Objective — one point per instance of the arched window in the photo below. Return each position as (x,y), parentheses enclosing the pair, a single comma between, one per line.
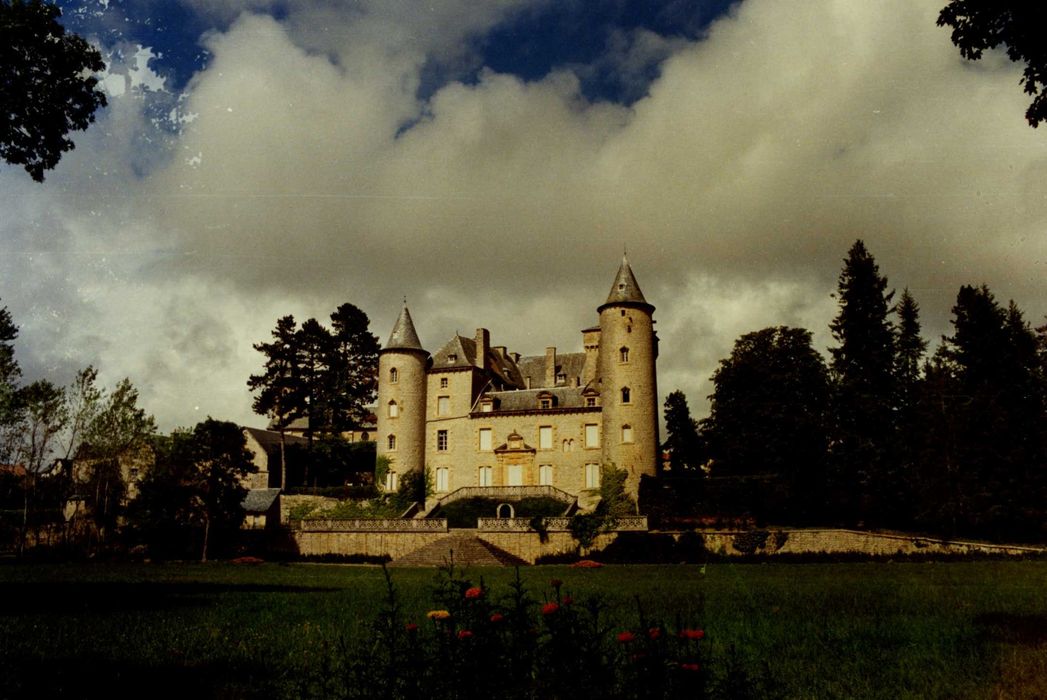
(391,443)
(623,354)
(394,409)
(626,394)
(394,375)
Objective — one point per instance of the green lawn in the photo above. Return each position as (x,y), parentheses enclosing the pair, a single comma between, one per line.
(871,630)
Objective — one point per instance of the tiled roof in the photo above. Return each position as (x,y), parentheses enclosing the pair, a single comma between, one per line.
(527,399)
(571,363)
(271,438)
(259,500)
(462,350)
(404,336)
(625,288)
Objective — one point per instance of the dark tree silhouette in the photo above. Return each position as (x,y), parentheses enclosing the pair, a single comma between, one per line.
(768,412)
(46,89)
(863,371)
(279,389)
(978,25)
(681,440)
(352,368)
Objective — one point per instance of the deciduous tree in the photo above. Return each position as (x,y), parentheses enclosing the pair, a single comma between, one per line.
(46,86)
(978,25)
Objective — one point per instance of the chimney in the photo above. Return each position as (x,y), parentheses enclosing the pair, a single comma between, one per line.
(500,349)
(515,356)
(550,366)
(483,342)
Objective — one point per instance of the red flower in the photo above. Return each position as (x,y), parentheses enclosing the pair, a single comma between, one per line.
(626,637)
(411,627)
(654,632)
(692,634)
(691,667)
(464,634)
(567,600)
(474,593)
(550,608)
(497,617)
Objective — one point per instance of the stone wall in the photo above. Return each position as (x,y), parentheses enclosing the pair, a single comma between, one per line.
(392,544)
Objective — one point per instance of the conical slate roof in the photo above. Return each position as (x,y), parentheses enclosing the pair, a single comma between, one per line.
(404,336)
(625,290)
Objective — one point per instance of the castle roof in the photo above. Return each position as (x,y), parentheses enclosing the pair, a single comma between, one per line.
(404,336)
(527,399)
(459,352)
(625,289)
(533,367)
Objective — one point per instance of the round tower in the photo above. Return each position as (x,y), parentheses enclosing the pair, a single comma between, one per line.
(402,365)
(628,384)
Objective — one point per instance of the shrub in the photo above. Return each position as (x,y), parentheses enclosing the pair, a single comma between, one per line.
(749,542)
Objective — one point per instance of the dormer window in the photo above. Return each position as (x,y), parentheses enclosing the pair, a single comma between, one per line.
(561,378)
(451,359)
(545,403)
(590,401)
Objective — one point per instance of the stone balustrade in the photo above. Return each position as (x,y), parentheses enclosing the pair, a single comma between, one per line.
(369,525)
(628,523)
(507,493)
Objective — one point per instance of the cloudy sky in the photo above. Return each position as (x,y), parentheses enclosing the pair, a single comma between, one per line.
(490,161)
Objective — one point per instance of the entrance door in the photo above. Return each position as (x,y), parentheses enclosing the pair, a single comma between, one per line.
(515,475)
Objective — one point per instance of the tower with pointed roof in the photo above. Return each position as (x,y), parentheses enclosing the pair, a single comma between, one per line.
(627,380)
(479,416)
(402,366)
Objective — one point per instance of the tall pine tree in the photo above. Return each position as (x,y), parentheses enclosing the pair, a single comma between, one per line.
(279,390)
(681,437)
(863,372)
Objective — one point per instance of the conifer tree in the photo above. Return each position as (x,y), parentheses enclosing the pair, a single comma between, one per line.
(352,368)
(899,505)
(682,441)
(863,372)
(279,391)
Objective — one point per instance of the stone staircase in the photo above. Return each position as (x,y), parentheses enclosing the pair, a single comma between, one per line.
(465,547)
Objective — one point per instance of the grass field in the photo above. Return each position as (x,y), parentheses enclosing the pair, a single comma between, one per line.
(866,630)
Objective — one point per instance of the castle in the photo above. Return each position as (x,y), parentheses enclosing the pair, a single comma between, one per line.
(476,414)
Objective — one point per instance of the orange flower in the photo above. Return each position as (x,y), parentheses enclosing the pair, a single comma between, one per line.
(438,615)
(692,634)
(474,593)
(550,608)
(626,637)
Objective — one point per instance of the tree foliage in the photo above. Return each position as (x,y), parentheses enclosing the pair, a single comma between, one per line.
(195,492)
(980,25)
(682,440)
(46,86)
(863,370)
(768,412)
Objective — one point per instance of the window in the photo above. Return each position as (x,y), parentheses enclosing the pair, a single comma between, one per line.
(590,401)
(568,445)
(486,406)
(394,409)
(545,437)
(451,359)
(442,479)
(484,477)
(485,439)
(627,433)
(545,402)
(394,375)
(443,405)
(592,476)
(443,382)
(515,475)
(592,435)
(626,394)
(441,441)
(392,481)
(545,475)
(623,355)
(391,443)
(561,378)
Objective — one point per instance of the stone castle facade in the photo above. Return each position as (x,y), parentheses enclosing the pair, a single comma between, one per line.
(476,414)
